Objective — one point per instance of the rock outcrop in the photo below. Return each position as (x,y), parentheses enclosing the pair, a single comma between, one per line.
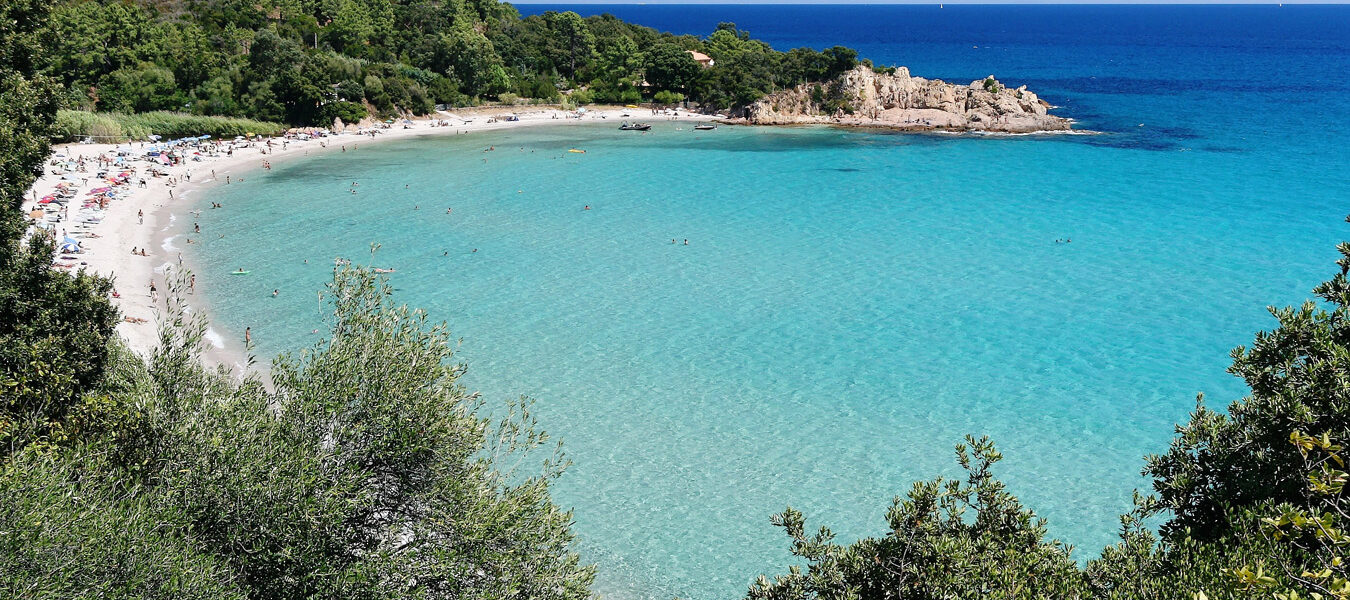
(863,97)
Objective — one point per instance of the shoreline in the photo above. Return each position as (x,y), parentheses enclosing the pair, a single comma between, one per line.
(106,250)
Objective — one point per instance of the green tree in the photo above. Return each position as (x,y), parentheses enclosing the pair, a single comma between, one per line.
(1296,373)
(573,35)
(1315,530)
(669,67)
(947,539)
(54,327)
(475,63)
(144,88)
(75,533)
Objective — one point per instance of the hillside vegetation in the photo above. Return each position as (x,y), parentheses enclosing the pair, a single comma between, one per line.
(74,125)
(310,61)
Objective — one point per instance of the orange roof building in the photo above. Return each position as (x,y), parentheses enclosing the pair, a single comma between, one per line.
(702,59)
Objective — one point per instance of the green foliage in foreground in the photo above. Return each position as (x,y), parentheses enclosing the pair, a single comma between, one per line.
(1315,528)
(368,473)
(1298,379)
(72,125)
(1246,513)
(55,328)
(947,539)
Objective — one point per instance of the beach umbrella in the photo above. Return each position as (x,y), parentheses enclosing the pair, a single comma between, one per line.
(70,245)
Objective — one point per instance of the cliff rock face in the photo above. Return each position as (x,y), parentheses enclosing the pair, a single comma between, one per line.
(900,101)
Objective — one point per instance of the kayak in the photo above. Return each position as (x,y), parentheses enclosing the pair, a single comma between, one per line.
(577,151)
(239,272)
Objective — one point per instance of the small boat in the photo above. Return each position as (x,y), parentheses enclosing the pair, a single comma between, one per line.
(626,126)
(705,127)
(577,151)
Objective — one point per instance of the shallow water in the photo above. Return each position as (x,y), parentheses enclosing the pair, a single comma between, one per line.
(849,305)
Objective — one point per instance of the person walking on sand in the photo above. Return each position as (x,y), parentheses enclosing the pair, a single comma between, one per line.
(192,284)
(248,335)
(140,216)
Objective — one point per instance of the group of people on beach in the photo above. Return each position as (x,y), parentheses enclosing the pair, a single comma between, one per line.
(166,164)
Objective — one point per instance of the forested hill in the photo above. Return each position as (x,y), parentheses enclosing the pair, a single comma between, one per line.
(308,61)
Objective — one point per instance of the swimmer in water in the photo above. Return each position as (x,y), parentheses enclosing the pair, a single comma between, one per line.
(275,292)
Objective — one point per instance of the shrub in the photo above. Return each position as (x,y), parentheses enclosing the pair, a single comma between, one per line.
(349,112)
(668,97)
(580,97)
(74,125)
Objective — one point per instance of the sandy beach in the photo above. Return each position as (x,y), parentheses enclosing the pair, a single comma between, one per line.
(141,218)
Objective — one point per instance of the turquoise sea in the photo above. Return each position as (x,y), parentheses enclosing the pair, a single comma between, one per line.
(850,304)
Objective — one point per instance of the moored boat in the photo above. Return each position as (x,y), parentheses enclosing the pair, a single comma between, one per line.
(626,126)
(705,126)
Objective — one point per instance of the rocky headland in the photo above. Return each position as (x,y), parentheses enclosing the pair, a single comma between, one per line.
(863,97)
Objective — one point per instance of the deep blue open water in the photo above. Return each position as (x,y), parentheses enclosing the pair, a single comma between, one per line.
(850,304)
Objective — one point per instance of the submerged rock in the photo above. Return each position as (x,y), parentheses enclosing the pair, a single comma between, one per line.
(864,97)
